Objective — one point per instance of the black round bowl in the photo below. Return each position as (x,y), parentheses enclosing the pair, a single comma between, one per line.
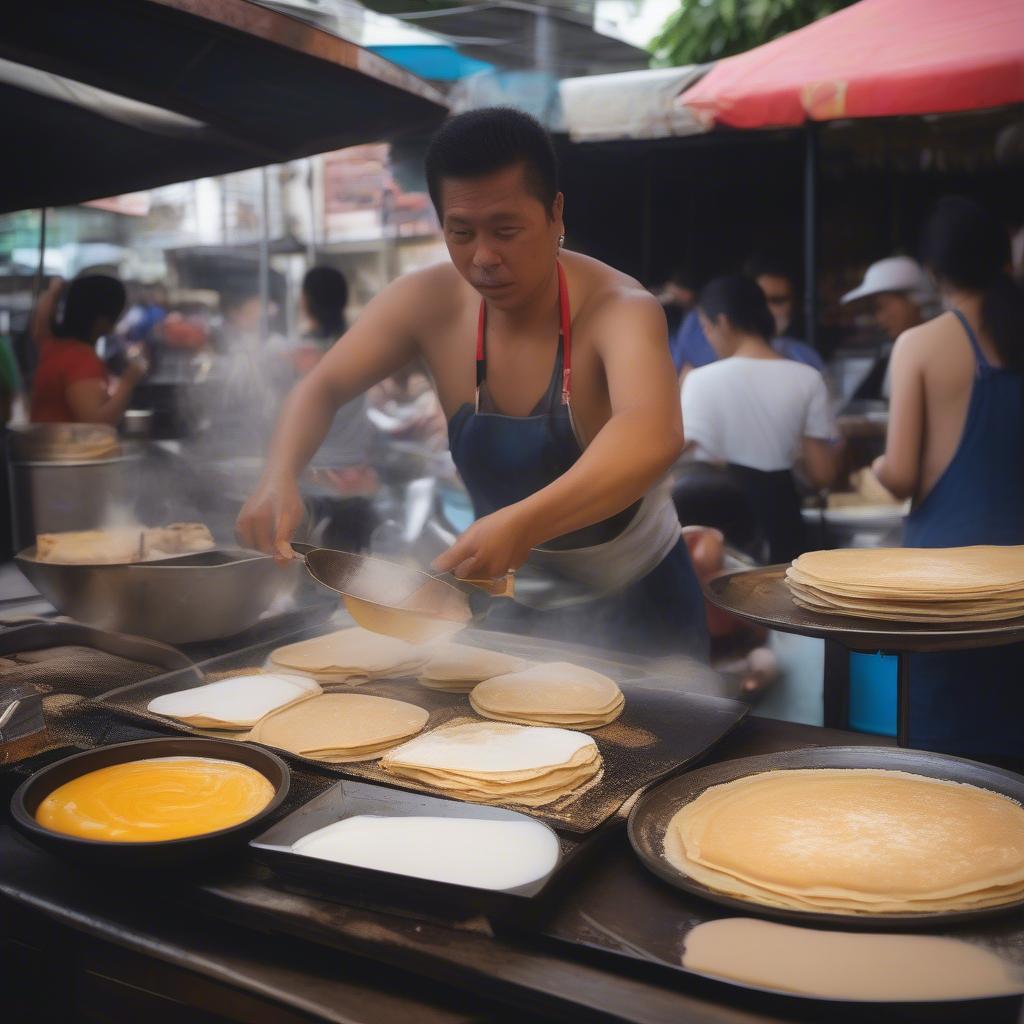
(31,793)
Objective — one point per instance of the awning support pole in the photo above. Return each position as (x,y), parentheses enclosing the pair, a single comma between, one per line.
(811,233)
(264,265)
(37,285)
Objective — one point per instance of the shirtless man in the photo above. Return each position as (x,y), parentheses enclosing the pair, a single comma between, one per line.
(553,371)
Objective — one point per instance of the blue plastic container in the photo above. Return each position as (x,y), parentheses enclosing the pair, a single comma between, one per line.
(873,685)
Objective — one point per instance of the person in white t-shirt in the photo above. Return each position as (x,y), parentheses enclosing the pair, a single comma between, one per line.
(758,413)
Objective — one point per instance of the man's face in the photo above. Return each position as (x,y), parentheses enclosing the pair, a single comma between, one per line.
(895,313)
(499,236)
(778,293)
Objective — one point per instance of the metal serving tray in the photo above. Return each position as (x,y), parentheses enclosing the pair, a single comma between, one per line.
(649,820)
(348,884)
(762,597)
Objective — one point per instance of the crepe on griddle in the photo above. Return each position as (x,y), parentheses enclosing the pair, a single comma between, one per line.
(496,762)
(341,727)
(349,657)
(926,585)
(237,702)
(852,841)
(457,668)
(551,693)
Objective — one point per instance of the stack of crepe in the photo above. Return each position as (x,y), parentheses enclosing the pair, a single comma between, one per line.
(457,668)
(552,693)
(349,657)
(936,585)
(341,727)
(238,702)
(492,762)
(853,841)
(122,544)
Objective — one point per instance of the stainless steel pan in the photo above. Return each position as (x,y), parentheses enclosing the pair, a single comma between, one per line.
(184,599)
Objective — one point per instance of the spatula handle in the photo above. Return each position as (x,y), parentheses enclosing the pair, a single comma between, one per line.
(503,586)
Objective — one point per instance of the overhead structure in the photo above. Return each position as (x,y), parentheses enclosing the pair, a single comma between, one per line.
(630,105)
(100,97)
(878,58)
(517,34)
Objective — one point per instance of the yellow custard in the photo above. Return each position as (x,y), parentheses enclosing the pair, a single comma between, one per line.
(156,799)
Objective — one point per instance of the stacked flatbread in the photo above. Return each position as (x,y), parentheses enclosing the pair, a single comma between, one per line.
(341,727)
(349,657)
(552,693)
(123,544)
(938,585)
(92,547)
(852,841)
(498,763)
(238,702)
(177,539)
(457,668)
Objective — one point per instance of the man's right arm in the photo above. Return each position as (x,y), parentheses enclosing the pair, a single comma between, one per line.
(379,344)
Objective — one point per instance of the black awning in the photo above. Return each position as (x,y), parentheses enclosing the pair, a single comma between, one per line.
(100,97)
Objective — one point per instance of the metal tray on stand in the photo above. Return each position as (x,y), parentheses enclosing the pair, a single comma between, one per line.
(652,813)
(761,596)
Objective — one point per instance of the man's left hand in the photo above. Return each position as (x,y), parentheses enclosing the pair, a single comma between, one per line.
(490,547)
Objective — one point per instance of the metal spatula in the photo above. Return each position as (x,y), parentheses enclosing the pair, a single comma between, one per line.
(394,599)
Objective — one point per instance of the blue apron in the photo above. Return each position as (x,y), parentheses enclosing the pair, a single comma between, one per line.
(971,703)
(504,459)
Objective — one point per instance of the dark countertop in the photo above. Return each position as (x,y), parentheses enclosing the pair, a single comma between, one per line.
(225,945)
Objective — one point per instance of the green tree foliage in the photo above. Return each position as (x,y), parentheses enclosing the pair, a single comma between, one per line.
(705,30)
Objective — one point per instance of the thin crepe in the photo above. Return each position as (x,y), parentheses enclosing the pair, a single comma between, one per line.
(341,726)
(556,693)
(860,840)
(237,702)
(351,656)
(499,762)
(458,667)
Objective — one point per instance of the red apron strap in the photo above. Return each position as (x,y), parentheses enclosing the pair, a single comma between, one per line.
(481,352)
(566,315)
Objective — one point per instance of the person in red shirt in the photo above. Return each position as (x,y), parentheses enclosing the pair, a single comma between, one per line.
(70,383)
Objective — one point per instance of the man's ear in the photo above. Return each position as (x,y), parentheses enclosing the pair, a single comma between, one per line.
(558,207)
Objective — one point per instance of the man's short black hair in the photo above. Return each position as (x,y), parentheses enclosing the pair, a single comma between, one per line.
(484,141)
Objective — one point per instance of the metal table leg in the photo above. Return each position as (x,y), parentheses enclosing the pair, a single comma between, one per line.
(902,699)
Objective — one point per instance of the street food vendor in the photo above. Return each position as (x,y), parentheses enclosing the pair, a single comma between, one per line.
(956,447)
(71,383)
(563,415)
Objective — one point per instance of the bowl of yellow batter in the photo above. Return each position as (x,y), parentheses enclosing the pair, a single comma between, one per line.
(151,803)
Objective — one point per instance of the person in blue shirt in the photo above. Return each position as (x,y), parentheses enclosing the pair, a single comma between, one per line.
(690,348)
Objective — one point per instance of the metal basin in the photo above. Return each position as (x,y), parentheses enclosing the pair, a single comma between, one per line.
(186,599)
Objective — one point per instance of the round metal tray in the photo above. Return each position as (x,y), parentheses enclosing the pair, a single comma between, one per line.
(762,597)
(147,855)
(649,821)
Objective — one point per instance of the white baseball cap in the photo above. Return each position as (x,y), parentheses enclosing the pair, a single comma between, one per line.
(895,274)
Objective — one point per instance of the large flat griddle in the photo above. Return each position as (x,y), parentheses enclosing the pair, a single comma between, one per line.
(617,908)
(661,730)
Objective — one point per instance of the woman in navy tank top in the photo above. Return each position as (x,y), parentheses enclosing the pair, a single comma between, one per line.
(956,446)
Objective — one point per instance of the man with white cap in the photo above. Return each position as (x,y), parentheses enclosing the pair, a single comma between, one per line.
(898,289)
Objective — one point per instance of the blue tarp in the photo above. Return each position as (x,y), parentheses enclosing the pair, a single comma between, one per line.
(437,63)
